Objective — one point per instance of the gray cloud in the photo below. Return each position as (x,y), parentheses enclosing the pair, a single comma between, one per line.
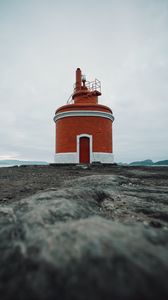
(123,43)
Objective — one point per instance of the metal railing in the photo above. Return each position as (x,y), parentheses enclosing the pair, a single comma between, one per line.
(70,100)
(92,86)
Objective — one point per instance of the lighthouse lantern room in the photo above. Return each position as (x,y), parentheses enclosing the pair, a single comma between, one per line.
(83,126)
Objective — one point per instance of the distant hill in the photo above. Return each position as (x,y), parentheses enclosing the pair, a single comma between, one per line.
(161,163)
(21,162)
(147,162)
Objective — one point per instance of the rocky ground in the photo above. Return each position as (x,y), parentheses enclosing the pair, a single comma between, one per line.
(79,233)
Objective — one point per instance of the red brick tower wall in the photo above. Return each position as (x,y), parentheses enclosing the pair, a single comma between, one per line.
(68,128)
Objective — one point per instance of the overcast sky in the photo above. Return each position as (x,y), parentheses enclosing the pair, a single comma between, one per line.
(123,43)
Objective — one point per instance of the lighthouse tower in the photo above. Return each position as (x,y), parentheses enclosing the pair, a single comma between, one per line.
(83,126)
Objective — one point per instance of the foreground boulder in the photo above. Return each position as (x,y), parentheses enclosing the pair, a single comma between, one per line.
(71,243)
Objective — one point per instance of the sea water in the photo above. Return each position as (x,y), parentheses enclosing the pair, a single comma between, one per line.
(6,166)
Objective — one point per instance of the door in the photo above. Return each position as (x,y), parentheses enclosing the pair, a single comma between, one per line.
(84,150)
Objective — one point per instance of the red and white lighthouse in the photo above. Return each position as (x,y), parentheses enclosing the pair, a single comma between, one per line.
(83,126)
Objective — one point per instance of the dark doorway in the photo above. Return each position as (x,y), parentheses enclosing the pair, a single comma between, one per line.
(84,150)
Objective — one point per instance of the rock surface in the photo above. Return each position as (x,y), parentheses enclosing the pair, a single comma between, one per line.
(93,233)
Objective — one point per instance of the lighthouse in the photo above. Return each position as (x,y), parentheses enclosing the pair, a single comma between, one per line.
(83,126)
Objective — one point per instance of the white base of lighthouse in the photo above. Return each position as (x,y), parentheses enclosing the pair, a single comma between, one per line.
(73,158)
